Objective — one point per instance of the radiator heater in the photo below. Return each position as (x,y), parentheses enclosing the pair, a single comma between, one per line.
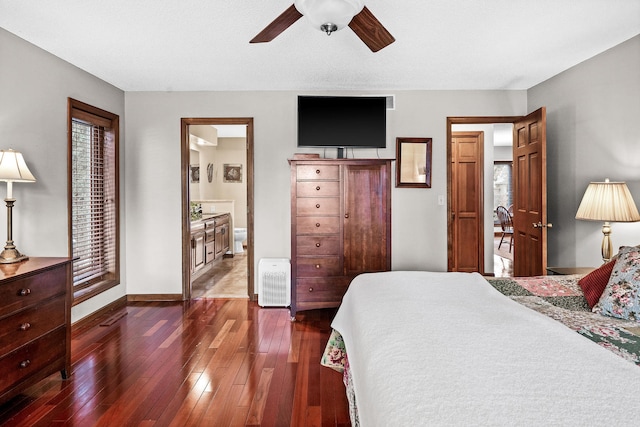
(274,282)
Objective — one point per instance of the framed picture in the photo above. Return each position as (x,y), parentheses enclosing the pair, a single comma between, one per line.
(232,173)
(194,173)
(413,162)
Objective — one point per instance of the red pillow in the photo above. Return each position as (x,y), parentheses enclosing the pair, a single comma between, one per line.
(593,284)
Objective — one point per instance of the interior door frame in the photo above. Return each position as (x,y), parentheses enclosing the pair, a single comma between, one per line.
(186,220)
(465,121)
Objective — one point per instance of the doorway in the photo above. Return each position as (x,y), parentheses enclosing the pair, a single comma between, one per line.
(233,176)
(529,187)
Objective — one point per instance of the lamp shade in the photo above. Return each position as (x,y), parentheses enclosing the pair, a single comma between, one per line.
(608,201)
(13,168)
(337,12)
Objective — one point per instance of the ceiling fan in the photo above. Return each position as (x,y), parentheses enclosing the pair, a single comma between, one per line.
(330,16)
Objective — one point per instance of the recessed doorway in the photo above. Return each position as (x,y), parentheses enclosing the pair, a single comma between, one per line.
(217,178)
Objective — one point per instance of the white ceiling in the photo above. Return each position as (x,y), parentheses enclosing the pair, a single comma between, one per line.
(187,45)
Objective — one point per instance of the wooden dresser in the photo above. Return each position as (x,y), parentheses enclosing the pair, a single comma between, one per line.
(35,322)
(340,226)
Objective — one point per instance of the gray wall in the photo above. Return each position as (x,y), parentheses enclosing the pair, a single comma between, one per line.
(592,114)
(593,133)
(34,87)
(419,229)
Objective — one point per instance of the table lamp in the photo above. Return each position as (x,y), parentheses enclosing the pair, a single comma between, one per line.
(609,202)
(12,169)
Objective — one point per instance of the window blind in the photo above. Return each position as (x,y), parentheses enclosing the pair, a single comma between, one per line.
(93,200)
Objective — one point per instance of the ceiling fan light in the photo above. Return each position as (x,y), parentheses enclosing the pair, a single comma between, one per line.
(332,14)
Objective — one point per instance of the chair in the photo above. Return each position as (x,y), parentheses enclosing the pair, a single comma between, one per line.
(506,223)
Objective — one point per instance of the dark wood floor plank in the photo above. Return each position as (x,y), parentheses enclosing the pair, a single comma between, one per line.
(218,362)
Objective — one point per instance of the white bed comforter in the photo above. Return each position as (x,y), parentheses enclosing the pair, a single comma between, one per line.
(429,349)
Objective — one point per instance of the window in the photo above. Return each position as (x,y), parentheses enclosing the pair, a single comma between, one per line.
(93,200)
(502,191)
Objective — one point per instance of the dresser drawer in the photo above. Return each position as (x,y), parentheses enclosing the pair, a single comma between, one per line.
(31,323)
(318,225)
(21,293)
(321,290)
(318,206)
(318,266)
(31,358)
(318,172)
(318,245)
(318,189)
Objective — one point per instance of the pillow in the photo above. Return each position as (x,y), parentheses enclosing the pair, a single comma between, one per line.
(593,284)
(621,296)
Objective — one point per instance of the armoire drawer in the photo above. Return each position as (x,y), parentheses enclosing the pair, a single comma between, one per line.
(28,291)
(31,358)
(318,189)
(318,245)
(318,206)
(318,172)
(317,225)
(26,325)
(319,266)
(320,290)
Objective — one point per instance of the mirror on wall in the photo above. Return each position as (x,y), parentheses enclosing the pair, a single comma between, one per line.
(413,162)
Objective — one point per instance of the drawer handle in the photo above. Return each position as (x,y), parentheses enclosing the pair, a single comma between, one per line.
(318,245)
(318,188)
(310,289)
(346,216)
(25,363)
(317,224)
(317,205)
(24,292)
(25,326)
(318,171)
(317,266)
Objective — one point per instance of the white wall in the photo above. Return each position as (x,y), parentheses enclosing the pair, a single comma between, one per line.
(593,128)
(34,87)
(419,230)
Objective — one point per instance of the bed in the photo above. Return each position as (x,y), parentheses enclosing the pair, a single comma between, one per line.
(424,348)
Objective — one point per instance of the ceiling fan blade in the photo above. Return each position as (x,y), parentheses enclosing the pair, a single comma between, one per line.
(281,23)
(370,30)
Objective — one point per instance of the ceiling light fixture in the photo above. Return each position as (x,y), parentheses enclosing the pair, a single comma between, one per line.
(329,15)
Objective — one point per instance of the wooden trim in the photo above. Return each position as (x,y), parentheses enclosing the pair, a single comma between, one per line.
(93,317)
(457,121)
(153,297)
(74,106)
(186,232)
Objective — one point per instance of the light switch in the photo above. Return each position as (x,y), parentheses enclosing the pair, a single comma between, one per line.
(441,200)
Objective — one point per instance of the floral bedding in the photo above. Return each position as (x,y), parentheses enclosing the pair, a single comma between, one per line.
(562,299)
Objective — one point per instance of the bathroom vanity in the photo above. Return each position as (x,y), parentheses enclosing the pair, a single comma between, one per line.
(210,241)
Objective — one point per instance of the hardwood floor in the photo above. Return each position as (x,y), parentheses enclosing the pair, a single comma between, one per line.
(206,362)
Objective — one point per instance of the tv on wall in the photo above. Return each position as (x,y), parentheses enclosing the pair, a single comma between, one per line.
(342,121)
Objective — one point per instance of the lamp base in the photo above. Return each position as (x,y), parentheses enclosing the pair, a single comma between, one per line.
(11,255)
(606,242)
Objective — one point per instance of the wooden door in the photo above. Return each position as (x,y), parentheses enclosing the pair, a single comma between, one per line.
(466,226)
(367,218)
(530,194)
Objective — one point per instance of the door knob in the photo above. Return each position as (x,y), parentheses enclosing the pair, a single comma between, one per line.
(541,225)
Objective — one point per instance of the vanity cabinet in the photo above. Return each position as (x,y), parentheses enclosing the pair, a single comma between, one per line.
(209,242)
(198,247)
(340,226)
(222,236)
(35,322)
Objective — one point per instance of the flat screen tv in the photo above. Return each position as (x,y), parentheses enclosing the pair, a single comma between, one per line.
(342,121)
